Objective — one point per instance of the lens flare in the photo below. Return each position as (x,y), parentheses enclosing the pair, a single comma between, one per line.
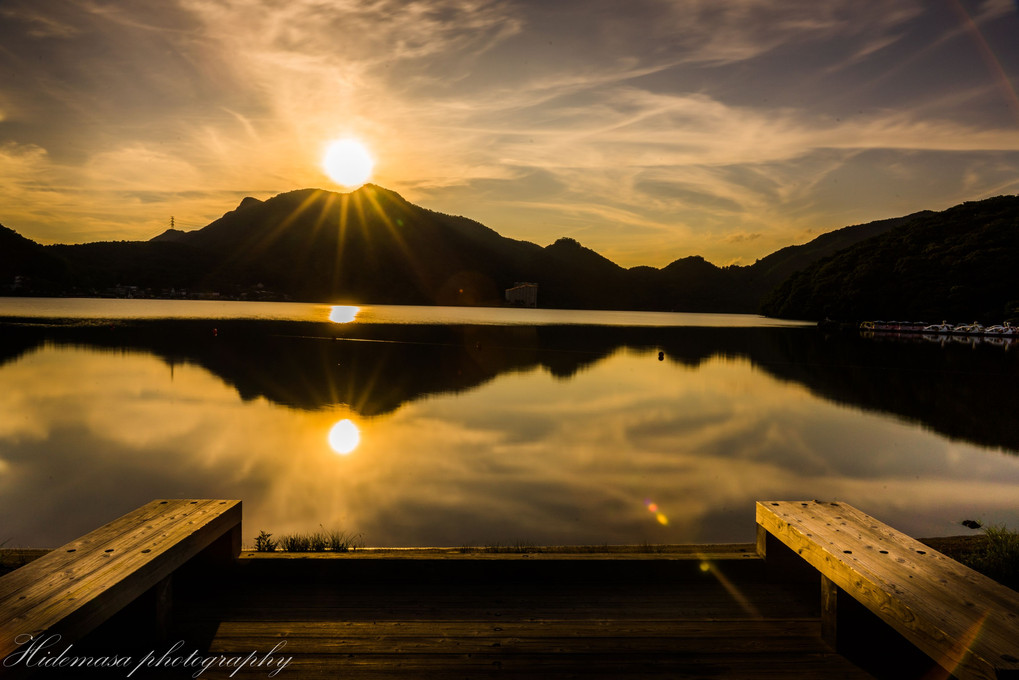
(994,65)
(660,517)
(735,593)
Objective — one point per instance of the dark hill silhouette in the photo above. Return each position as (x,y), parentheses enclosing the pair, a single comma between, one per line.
(957,264)
(147,264)
(24,258)
(770,271)
(370,245)
(577,276)
(373,246)
(171,236)
(696,285)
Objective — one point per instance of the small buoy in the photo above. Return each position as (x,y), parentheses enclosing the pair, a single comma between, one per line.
(215,332)
(661,356)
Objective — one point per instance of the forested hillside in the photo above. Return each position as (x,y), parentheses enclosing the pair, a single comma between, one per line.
(958,264)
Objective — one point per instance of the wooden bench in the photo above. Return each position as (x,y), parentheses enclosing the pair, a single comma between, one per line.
(964,621)
(73,589)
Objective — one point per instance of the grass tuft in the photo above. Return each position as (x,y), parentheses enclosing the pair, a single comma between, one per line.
(265,543)
(317,542)
(320,541)
(1000,557)
(339,541)
(295,543)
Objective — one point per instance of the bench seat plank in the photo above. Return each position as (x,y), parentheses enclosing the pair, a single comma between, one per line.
(144,520)
(910,555)
(76,587)
(965,621)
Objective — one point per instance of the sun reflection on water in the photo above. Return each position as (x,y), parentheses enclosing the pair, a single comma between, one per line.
(662,452)
(343,313)
(344,437)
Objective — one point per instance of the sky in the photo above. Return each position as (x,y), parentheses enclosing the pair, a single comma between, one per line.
(648,130)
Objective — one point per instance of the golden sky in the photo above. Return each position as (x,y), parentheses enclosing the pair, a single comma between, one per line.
(648,130)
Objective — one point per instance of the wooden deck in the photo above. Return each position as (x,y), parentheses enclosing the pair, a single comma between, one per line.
(675,612)
(442,614)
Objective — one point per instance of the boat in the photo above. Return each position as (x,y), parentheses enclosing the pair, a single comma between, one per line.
(1004,330)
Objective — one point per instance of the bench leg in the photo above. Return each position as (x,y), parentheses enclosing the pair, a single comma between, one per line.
(224,550)
(855,632)
(781,563)
(146,620)
(845,622)
(830,612)
(162,595)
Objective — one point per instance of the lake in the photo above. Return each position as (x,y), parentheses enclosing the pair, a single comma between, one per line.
(419,426)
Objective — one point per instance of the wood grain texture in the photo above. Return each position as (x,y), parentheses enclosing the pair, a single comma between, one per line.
(76,587)
(963,620)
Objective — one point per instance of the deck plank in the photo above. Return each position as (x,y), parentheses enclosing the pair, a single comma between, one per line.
(692,626)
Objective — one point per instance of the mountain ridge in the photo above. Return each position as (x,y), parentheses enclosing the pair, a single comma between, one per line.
(373,246)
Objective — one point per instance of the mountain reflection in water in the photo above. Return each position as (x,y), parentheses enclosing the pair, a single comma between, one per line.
(453,435)
(954,390)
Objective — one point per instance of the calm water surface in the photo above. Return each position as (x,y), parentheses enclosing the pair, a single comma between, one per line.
(88,308)
(453,426)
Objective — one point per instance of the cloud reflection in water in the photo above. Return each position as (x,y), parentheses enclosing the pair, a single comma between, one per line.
(529,457)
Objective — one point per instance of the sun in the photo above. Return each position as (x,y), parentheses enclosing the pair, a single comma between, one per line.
(348,162)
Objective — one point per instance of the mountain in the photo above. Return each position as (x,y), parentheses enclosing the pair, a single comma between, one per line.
(768,272)
(694,284)
(957,264)
(370,245)
(373,246)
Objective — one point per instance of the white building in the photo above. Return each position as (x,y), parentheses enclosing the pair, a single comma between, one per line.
(523,294)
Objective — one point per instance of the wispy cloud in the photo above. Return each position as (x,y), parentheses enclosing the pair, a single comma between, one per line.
(680,123)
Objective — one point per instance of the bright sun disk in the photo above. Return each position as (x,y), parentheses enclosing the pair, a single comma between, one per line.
(348,162)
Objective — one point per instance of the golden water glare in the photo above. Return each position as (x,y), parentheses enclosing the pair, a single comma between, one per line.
(344,437)
(343,313)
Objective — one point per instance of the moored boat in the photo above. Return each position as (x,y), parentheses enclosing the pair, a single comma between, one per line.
(943,328)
